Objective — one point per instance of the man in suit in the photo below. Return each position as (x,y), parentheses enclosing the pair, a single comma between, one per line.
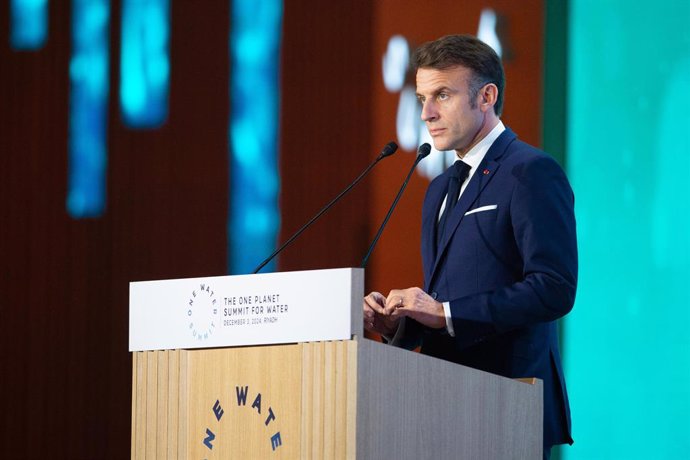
(499,248)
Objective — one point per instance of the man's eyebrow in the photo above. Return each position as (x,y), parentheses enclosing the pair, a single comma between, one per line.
(442,89)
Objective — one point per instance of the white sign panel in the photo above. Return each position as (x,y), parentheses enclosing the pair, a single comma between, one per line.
(221,311)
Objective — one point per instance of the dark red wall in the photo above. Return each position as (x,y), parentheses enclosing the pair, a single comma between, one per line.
(325,130)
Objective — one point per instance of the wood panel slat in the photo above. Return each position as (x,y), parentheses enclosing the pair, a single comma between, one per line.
(162,418)
(151,404)
(141,405)
(173,403)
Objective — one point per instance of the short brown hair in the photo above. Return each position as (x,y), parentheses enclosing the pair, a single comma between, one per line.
(467,51)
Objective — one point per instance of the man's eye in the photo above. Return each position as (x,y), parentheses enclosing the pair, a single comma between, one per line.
(442,96)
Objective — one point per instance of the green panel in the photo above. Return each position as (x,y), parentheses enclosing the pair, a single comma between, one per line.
(555,78)
(627,347)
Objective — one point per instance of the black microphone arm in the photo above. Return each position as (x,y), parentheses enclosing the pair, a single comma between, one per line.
(387,151)
(423,151)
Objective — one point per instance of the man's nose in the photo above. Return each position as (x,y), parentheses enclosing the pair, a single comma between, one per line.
(429,112)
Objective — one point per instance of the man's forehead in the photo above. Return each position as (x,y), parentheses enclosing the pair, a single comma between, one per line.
(428,78)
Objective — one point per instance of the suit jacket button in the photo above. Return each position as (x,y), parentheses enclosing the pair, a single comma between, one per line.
(434,295)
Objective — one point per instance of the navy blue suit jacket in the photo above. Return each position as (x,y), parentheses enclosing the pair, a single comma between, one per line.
(509,270)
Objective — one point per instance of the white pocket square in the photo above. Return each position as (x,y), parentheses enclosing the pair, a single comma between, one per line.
(482,209)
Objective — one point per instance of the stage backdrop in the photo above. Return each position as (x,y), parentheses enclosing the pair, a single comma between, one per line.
(65,383)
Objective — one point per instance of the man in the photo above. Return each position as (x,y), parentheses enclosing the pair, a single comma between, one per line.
(500,261)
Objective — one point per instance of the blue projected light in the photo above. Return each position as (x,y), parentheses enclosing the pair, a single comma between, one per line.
(89,85)
(145,62)
(254,56)
(28,24)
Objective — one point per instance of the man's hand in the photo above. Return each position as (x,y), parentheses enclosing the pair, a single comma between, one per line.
(416,304)
(375,320)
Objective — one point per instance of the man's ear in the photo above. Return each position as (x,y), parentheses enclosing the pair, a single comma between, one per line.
(488,96)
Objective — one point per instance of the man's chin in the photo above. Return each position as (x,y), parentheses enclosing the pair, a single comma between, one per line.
(441,145)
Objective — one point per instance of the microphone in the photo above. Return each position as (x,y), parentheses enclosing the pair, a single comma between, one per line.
(423,151)
(388,150)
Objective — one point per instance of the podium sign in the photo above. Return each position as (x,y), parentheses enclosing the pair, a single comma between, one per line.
(272,308)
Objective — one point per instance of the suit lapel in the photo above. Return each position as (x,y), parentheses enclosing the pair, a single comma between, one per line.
(436,194)
(482,176)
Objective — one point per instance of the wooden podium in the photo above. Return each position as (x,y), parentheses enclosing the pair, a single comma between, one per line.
(334,398)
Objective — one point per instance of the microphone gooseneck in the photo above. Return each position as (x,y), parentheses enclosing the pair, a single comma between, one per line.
(423,151)
(388,150)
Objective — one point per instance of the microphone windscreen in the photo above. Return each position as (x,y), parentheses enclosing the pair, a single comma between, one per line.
(424,150)
(389,149)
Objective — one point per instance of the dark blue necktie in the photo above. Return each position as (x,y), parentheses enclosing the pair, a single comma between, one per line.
(458,174)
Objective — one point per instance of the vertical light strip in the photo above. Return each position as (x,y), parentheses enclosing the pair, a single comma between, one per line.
(253,220)
(28,24)
(89,84)
(144,62)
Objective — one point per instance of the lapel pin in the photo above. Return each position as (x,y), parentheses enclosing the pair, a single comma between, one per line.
(486,172)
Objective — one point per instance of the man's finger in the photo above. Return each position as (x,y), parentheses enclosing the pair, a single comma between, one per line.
(395,300)
(372,302)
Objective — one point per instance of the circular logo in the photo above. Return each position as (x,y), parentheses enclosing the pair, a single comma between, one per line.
(202,312)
